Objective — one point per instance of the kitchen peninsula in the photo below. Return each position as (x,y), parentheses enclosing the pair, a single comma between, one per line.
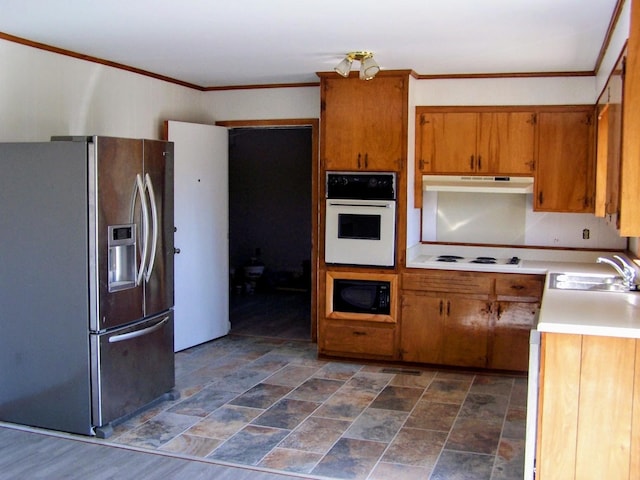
(589,395)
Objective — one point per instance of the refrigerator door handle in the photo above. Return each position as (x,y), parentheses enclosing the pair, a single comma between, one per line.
(145,227)
(154,217)
(138,333)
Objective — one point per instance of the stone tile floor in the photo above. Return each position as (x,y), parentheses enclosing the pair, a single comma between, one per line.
(271,403)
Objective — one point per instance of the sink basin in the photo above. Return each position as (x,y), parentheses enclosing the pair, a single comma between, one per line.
(602,283)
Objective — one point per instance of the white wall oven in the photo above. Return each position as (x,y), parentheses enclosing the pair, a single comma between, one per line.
(360,218)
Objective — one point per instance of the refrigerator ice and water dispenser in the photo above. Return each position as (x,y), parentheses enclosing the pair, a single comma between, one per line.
(122,257)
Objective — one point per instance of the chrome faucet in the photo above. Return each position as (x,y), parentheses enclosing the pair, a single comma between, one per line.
(626,270)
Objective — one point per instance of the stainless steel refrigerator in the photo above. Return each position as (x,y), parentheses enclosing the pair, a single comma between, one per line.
(86,281)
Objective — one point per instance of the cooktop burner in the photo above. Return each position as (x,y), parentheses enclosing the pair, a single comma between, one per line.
(449,258)
(513,261)
(489,260)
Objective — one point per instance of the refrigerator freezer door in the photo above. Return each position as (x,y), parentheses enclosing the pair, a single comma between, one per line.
(131,367)
(114,164)
(158,180)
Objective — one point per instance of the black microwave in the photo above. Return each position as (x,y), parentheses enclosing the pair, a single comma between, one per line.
(362,296)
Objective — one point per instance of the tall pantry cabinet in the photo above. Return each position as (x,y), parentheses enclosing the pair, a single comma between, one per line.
(363,128)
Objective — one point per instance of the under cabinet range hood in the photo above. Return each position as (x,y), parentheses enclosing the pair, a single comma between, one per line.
(477,184)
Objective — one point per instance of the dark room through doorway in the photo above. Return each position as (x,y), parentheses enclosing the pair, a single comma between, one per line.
(270,231)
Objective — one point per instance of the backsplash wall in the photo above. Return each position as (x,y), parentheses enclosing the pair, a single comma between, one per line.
(509,219)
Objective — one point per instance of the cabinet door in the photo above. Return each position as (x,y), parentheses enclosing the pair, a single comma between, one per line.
(422,328)
(607,161)
(564,171)
(447,142)
(629,186)
(466,328)
(506,143)
(586,402)
(341,136)
(510,347)
(363,123)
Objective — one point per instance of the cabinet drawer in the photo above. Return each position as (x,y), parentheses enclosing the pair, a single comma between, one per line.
(358,339)
(448,281)
(520,288)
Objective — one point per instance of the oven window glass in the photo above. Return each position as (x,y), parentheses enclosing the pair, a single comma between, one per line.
(360,227)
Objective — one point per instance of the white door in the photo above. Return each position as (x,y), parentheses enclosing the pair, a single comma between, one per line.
(202,236)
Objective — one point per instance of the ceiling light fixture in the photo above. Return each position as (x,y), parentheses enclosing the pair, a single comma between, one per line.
(368,66)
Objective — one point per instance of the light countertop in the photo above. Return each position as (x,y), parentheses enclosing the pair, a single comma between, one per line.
(562,311)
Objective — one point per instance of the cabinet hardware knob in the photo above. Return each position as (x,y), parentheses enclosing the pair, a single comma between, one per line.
(176,251)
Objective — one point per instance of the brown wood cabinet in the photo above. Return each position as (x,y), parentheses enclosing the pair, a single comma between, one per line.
(364,123)
(446,330)
(472,319)
(565,169)
(609,143)
(456,141)
(555,144)
(516,312)
(629,179)
(588,414)
(357,338)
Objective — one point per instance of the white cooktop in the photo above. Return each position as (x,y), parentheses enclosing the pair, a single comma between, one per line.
(452,259)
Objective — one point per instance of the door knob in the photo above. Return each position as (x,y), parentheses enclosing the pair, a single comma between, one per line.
(176,251)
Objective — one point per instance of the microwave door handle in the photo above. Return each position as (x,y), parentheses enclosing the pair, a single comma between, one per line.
(145,227)
(154,217)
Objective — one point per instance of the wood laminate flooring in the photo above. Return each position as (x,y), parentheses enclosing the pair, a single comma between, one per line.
(30,454)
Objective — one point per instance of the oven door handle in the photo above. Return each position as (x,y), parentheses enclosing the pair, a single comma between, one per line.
(369,205)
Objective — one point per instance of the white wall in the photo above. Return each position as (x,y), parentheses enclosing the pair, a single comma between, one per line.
(506,91)
(264,104)
(44,94)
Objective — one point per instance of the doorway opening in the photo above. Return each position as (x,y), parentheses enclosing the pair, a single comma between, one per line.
(271,231)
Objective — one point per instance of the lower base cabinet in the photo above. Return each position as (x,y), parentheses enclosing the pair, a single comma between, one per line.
(469,319)
(444,330)
(588,408)
(511,330)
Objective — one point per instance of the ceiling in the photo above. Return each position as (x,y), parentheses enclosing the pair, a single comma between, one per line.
(215,43)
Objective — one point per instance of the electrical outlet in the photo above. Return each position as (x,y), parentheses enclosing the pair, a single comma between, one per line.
(585,234)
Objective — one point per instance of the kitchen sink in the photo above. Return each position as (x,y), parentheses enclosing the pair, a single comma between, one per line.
(602,283)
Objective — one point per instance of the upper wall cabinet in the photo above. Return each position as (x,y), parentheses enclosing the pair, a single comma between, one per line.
(364,123)
(473,141)
(564,179)
(630,177)
(609,143)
